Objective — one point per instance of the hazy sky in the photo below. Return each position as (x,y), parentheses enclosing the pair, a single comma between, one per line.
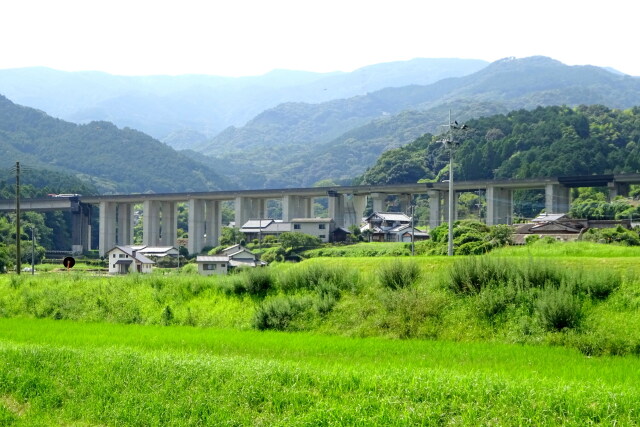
(251,37)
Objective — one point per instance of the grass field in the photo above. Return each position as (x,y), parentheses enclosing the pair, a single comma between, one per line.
(177,349)
(61,373)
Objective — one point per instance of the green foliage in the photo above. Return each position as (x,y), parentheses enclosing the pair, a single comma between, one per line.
(277,313)
(316,277)
(398,274)
(94,152)
(618,235)
(559,308)
(295,241)
(546,141)
(230,236)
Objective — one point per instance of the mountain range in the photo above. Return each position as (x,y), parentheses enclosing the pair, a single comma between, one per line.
(347,120)
(188,109)
(339,139)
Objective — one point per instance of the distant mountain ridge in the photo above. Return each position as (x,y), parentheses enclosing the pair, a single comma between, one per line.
(301,137)
(181,110)
(110,159)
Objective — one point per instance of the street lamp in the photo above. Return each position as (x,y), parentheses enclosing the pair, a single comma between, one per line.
(450,144)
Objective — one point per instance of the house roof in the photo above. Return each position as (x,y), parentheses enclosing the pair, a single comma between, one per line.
(158,250)
(212,258)
(256,224)
(390,216)
(279,227)
(133,254)
(313,220)
(547,217)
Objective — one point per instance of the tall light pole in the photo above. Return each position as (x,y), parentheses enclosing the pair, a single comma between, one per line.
(450,143)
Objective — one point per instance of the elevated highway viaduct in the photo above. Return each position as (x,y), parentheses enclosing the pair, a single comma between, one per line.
(346,206)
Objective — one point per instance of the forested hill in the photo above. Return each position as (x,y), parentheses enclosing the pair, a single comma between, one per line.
(110,159)
(546,141)
(300,143)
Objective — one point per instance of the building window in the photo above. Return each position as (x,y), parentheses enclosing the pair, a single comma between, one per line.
(114,255)
(222,265)
(121,256)
(296,226)
(322,236)
(209,266)
(321,226)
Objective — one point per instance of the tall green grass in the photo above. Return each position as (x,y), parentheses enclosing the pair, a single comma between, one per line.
(65,373)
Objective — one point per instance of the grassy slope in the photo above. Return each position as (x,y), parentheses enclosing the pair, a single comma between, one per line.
(66,372)
(60,372)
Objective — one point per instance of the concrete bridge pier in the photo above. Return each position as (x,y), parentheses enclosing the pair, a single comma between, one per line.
(124,214)
(81,229)
(107,231)
(556,198)
(618,189)
(499,205)
(296,207)
(354,206)
(213,223)
(336,208)
(151,223)
(435,212)
(196,225)
(378,200)
(247,208)
(169,224)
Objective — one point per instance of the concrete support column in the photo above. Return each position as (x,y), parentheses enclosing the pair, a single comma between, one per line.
(196,225)
(336,208)
(378,202)
(81,229)
(354,206)
(213,222)
(151,223)
(618,189)
(107,230)
(499,205)
(125,224)
(556,198)
(247,208)
(295,207)
(435,211)
(169,236)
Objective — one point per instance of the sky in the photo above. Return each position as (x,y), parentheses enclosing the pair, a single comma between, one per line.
(252,37)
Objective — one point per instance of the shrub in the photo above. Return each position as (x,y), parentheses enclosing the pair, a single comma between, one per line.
(189,269)
(398,274)
(277,313)
(314,276)
(559,308)
(257,280)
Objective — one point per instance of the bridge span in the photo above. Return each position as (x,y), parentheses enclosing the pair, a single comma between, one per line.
(346,206)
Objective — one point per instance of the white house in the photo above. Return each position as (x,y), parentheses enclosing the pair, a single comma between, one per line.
(212,264)
(124,259)
(231,257)
(321,228)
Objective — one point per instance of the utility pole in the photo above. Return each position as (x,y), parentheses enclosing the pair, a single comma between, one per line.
(18,254)
(33,249)
(450,144)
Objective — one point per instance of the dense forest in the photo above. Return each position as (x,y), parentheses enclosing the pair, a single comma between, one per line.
(111,159)
(547,141)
